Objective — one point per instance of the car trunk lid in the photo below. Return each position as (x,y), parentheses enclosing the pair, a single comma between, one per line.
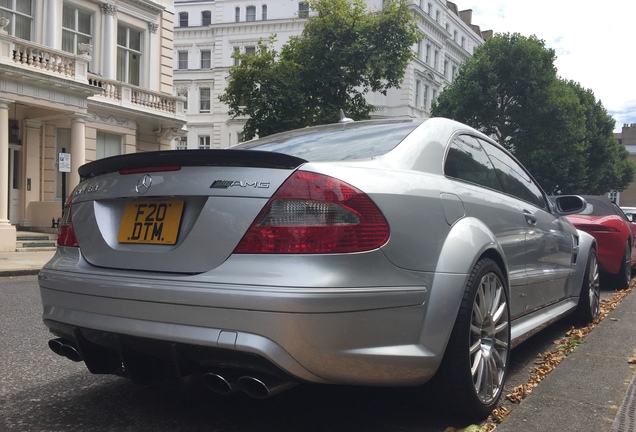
(173,211)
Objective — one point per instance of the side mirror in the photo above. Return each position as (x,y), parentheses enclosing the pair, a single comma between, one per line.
(569,204)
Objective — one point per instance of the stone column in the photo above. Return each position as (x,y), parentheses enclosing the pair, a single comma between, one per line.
(52,36)
(7,231)
(78,150)
(109,41)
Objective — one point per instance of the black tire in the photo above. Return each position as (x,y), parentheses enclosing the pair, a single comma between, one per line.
(621,280)
(589,300)
(475,364)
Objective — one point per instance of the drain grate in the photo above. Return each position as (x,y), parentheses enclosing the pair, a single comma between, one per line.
(625,420)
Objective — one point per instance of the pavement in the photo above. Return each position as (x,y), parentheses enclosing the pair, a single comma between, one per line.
(592,390)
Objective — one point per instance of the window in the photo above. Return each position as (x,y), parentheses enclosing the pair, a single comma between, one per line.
(428,54)
(455,35)
(435,59)
(614,197)
(419,50)
(425,94)
(363,140)
(303,10)
(185,102)
(250,13)
(237,14)
(237,51)
(437,16)
(204,100)
(463,41)
(429,9)
(183,60)
(204,142)
(445,68)
(249,50)
(128,55)
(467,160)
(206,59)
(107,145)
(182,143)
(76,28)
(206,18)
(21,15)
(418,90)
(513,177)
(183,19)
(264,12)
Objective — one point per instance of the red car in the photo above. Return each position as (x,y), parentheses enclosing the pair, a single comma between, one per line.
(615,236)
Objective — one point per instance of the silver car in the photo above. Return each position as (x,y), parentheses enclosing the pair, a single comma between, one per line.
(375,253)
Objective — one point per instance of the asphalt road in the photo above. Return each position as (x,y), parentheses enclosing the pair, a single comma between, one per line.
(40,391)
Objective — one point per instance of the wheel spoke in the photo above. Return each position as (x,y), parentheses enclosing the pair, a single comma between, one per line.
(489,337)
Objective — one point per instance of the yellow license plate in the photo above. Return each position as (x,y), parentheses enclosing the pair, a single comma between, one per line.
(151,222)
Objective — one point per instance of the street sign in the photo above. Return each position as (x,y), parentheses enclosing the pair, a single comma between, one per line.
(64,162)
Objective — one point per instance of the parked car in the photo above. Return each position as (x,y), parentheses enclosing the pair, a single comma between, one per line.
(630,212)
(615,236)
(373,253)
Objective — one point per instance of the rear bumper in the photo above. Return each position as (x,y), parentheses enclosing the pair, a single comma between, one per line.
(387,336)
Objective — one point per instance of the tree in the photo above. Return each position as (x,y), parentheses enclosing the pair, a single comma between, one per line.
(344,52)
(510,90)
(608,164)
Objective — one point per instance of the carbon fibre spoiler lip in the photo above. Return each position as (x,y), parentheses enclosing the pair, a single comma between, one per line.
(212,157)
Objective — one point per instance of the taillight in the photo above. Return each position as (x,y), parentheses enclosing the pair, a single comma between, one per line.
(313,213)
(596,228)
(65,232)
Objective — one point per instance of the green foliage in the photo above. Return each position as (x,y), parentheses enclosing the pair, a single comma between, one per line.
(344,52)
(510,90)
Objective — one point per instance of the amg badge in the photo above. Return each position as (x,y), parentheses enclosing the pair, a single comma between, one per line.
(226,184)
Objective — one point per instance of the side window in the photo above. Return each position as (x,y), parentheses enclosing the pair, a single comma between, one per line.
(513,177)
(466,160)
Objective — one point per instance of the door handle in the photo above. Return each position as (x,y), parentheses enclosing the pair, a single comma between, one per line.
(530,218)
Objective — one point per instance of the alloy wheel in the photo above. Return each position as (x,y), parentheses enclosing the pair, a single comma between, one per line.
(489,338)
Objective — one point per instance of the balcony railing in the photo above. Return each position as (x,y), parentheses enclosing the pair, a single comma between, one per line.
(126,95)
(55,63)
(48,61)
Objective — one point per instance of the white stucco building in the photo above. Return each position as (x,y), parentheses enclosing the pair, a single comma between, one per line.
(207,32)
(88,78)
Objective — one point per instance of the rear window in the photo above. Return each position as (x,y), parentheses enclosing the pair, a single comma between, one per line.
(599,207)
(344,141)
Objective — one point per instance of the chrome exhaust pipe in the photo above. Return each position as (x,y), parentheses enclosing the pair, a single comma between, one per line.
(262,387)
(65,348)
(218,383)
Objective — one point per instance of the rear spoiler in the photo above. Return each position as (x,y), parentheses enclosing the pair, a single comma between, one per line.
(217,157)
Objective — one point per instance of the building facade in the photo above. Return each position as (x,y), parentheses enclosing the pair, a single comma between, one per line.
(79,80)
(627,137)
(207,33)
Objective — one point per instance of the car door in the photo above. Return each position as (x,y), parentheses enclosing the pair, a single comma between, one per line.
(549,245)
(483,198)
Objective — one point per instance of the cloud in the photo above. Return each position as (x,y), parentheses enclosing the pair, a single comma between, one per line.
(592,42)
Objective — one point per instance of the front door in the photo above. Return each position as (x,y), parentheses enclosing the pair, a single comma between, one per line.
(14,184)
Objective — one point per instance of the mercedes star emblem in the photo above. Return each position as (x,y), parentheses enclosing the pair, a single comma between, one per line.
(143,184)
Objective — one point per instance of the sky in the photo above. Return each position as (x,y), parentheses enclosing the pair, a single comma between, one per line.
(594,42)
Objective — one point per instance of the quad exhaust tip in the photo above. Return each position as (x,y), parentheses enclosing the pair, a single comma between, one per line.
(259,387)
(65,348)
